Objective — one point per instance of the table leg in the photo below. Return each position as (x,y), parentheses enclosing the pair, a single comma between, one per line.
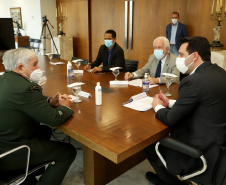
(99,170)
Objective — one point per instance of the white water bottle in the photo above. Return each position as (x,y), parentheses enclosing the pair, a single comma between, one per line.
(145,84)
(70,72)
(98,94)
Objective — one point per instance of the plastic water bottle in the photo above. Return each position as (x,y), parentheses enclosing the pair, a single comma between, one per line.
(98,94)
(70,71)
(145,84)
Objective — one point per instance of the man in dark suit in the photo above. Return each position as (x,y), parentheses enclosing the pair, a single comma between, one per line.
(197,116)
(110,54)
(174,32)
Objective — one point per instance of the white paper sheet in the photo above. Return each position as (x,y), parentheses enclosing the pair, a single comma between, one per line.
(78,71)
(56,63)
(74,84)
(143,104)
(118,82)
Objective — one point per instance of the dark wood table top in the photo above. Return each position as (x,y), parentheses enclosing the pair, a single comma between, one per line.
(112,130)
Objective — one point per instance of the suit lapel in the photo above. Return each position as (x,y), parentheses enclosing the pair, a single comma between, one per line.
(166,66)
(178,29)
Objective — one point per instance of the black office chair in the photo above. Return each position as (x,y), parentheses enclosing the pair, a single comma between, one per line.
(19,177)
(56,56)
(36,45)
(220,175)
(131,65)
(83,61)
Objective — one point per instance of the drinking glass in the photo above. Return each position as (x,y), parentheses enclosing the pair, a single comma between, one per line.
(76,90)
(78,64)
(115,73)
(50,57)
(168,82)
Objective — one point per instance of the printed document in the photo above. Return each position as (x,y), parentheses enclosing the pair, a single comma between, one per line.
(139,102)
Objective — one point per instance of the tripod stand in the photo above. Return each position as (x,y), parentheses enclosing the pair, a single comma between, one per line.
(45,20)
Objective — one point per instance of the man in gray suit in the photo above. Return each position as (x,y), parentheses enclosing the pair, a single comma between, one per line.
(162,61)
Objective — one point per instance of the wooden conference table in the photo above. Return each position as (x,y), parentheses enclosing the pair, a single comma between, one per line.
(112,135)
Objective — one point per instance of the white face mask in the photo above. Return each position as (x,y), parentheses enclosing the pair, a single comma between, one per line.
(180,63)
(36,75)
(174,21)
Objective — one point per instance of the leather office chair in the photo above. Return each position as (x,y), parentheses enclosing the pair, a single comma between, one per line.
(219,176)
(131,65)
(18,177)
(83,61)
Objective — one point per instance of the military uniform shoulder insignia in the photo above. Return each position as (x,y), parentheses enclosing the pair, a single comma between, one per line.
(35,87)
(60,112)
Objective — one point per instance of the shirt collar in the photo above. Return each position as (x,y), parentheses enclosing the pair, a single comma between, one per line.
(164,59)
(195,68)
(175,25)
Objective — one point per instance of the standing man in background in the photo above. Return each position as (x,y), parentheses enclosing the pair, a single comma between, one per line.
(174,32)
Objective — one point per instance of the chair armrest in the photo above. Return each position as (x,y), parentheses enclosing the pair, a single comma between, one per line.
(181,147)
(28,159)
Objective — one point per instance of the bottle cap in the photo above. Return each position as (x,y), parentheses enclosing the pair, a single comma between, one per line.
(98,83)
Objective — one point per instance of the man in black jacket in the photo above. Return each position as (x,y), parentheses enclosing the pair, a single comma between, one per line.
(110,54)
(197,116)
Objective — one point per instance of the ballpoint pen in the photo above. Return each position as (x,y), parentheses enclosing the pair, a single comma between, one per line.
(127,102)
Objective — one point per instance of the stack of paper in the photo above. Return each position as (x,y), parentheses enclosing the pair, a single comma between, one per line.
(139,102)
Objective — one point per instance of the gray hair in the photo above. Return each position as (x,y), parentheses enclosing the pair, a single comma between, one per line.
(14,57)
(164,39)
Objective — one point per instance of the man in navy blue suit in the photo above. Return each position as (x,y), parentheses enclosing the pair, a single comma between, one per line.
(174,32)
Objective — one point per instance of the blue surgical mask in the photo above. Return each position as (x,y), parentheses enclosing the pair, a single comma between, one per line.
(108,43)
(158,53)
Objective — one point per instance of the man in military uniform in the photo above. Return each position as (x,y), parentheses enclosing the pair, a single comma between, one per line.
(22,108)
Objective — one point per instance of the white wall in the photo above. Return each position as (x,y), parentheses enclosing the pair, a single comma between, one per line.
(32,12)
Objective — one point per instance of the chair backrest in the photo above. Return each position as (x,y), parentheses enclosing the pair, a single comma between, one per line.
(131,65)
(31,41)
(37,41)
(220,175)
(84,61)
(56,56)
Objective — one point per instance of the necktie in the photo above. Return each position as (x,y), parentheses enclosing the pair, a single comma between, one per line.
(158,70)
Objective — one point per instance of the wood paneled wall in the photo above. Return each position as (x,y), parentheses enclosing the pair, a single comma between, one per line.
(76,25)
(89,19)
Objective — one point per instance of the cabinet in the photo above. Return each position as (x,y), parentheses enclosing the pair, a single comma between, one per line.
(64,46)
(22,41)
(219,57)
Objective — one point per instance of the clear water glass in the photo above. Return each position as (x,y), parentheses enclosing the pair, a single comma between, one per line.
(168,82)
(76,90)
(115,73)
(50,57)
(78,64)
